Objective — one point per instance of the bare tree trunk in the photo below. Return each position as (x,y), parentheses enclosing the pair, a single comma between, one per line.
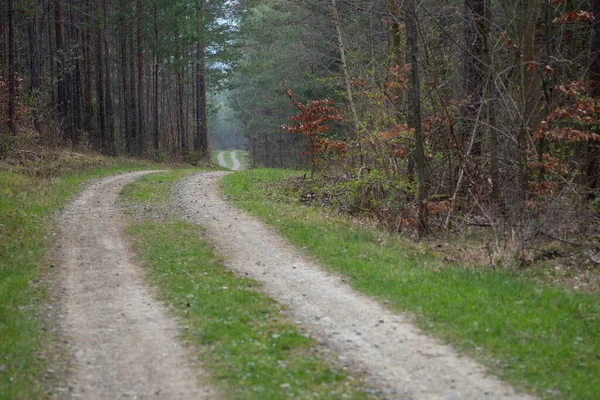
(530,85)
(110,147)
(414,120)
(124,70)
(473,77)
(546,86)
(492,133)
(35,63)
(140,87)
(156,66)
(100,92)
(69,81)
(180,114)
(201,137)
(12,78)
(133,106)
(77,46)
(342,51)
(88,109)
(592,169)
(60,63)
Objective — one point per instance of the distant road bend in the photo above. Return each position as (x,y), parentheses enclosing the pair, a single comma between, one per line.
(234,160)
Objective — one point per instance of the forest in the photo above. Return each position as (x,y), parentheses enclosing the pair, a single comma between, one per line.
(425,116)
(306,199)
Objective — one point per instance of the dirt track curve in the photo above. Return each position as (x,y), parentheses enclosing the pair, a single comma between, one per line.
(123,342)
(234,160)
(236,163)
(401,361)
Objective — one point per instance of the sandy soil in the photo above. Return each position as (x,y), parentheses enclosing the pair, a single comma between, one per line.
(234,160)
(221,159)
(401,361)
(124,345)
(236,163)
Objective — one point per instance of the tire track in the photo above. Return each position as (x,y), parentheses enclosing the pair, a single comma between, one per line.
(236,163)
(123,342)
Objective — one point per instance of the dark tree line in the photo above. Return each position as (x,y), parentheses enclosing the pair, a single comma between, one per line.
(114,75)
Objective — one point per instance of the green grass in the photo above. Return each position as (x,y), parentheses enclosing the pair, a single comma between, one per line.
(241,336)
(29,196)
(540,338)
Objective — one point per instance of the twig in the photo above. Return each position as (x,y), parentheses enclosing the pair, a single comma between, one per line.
(561,240)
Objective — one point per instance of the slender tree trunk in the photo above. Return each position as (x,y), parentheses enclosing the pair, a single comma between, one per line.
(140,84)
(592,169)
(530,86)
(201,138)
(76,42)
(100,90)
(156,69)
(124,71)
(12,78)
(414,121)
(546,85)
(3,42)
(35,63)
(133,104)
(109,147)
(88,108)
(60,65)
(342,51)
(473,76)
(52,60)
(68,72)
(488,95)
(180,114)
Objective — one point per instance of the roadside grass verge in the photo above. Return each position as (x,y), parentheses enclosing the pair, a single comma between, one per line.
(542,339)
(30,194)
(241,336)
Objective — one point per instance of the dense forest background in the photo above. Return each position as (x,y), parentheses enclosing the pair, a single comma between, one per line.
(427,116)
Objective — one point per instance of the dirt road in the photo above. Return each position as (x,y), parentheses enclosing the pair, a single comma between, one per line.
(234,160)
(236,163)
(401,361)
(221,159)
(124,344)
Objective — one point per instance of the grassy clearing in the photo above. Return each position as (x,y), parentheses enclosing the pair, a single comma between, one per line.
(243,340)
(541,338)
(30,193)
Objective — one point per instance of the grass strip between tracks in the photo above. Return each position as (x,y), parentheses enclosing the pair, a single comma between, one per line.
(30,196)
(242,339)
(540,338)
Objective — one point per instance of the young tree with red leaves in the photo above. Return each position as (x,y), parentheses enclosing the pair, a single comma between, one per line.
(311,121)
